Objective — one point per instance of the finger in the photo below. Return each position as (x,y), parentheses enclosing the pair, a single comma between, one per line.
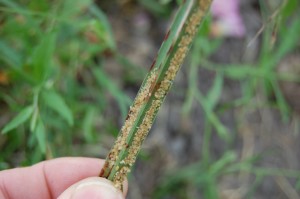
(48,179)
(93,187)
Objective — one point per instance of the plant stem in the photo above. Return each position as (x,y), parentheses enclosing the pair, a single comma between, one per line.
(154,88)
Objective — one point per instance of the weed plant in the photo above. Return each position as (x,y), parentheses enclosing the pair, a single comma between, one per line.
(53,88)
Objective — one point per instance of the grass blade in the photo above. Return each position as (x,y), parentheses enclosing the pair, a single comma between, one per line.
(57,103)
(40,133)
(19,119)
(153,90)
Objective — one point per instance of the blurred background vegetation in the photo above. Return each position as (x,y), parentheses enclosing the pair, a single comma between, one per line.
(69,70)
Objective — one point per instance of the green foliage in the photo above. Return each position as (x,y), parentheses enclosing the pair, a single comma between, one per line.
(103,81)
(22,117)
(40,134)
(204,175)
(47,60)
(54,101)
(158,8)
(41,57)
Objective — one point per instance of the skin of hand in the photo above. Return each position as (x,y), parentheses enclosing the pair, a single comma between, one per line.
(62,178)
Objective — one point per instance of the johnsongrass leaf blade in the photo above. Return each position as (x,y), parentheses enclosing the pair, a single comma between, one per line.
(153,90)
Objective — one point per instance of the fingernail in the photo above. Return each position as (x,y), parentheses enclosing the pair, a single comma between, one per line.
(99,189)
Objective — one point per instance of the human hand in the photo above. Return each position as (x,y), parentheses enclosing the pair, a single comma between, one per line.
(62,178)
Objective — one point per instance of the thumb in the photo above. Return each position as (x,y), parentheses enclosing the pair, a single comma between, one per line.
(93,188)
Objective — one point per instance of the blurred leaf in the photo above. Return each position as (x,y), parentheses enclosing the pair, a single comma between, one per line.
(213,118)
(4,165)
(106,32)
(155,7)
(34,120)
(42,56)
(290,40)
(35,114)
(40,134)
(219,165)
(35,156)
(241,72)
(13,60)
(39,5)
(19,119)
(207,46)
(282,104)
(211,189)
(71,8)
(215,92)
(298,185)
(12,4)
(9,55)
(254,186)
(100,39)
(290,7)
(205,29)
(88,124)
(123,100)
(136,73)
(179,2)
(54,101)
(165,1)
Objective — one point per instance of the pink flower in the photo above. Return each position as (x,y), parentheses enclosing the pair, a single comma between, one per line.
(227,19)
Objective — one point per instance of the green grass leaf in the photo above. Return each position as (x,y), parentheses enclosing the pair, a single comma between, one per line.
(228,158)
(13,5)
(281,102)
(212,117)
(33,121)
(88,124)
(215,92)
(290,7)
(40,134)
(71,8)
(42,56)
(18,120)
(290,41)
(54,101)
(9,55)
(123,100)
(155,7)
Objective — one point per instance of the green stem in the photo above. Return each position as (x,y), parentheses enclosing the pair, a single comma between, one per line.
(153,90)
